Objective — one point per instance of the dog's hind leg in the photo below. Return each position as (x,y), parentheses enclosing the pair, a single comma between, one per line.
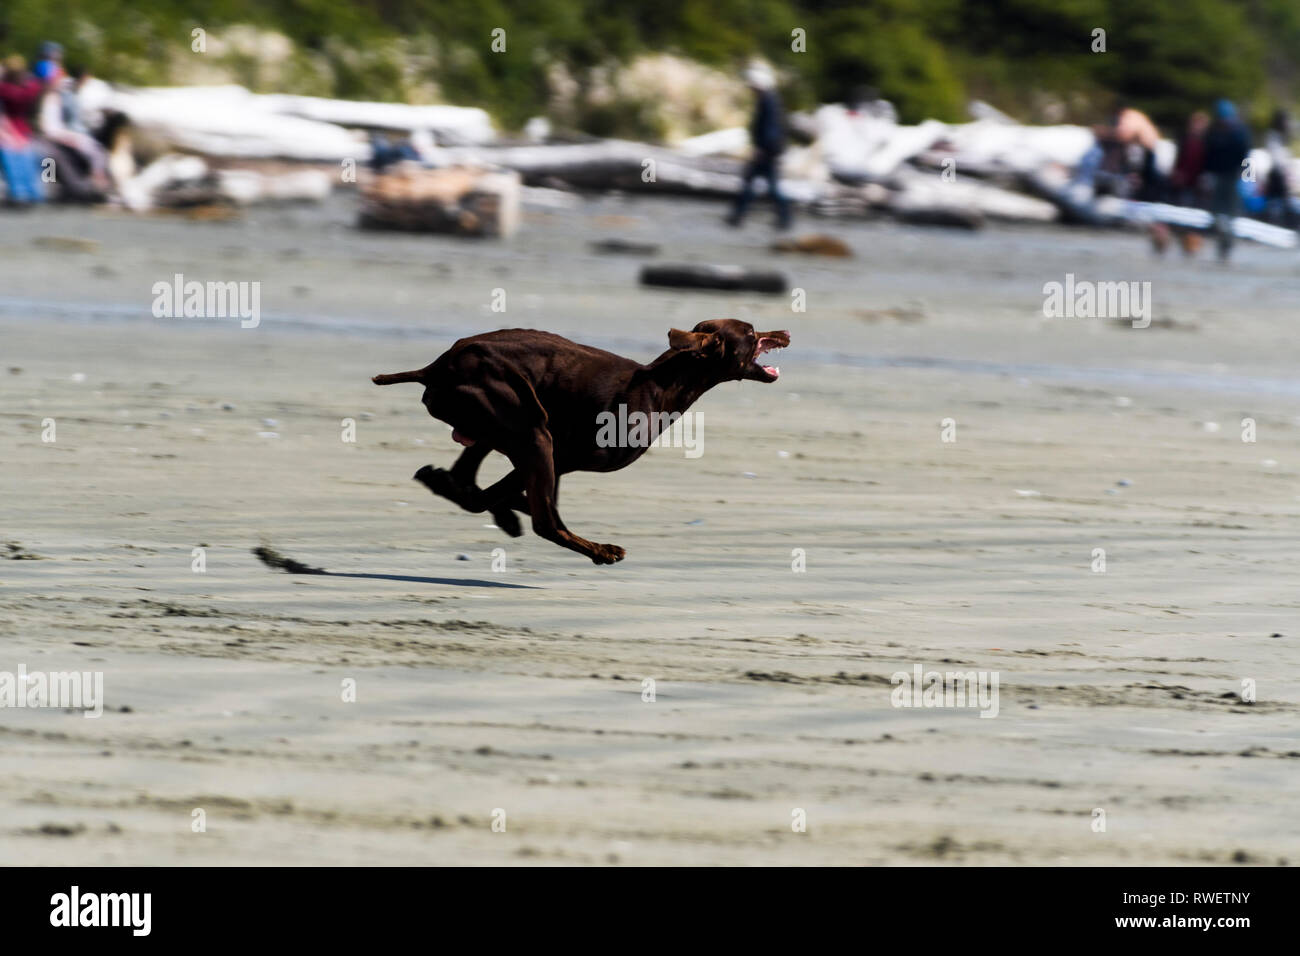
(465,470)
(504,413)
(505,517)
(471,497)
(474,412)
(458,484)
(465,474)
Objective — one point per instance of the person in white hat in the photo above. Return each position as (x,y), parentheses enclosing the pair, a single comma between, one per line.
(767,132)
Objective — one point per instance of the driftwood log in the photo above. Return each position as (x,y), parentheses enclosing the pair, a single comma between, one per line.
(457,200)
(620,164)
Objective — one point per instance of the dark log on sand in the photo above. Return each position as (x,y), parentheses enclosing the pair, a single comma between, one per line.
(954,216)
(724,278)
(621,247)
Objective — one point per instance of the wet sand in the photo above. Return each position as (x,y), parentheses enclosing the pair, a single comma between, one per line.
(521,690)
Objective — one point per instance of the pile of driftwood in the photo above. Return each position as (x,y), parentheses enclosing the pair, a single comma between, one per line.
(857,162)
(197,146)
(621,164)
(827,188)
(460,200)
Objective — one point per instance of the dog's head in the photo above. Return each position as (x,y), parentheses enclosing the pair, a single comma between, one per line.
(731,347)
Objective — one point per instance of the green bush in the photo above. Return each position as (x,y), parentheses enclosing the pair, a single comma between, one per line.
(928,56)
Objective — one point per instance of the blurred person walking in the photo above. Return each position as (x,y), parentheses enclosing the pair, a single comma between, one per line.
(1227,144)
(767,133)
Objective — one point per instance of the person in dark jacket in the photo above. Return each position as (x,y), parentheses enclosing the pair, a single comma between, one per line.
(1277,187)
(767,132)
(1185,179)
(1227,144)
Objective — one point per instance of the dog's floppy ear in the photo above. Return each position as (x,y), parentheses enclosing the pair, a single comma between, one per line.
(693,341)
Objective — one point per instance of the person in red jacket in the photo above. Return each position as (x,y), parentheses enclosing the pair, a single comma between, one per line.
(19,93)
(1187,179)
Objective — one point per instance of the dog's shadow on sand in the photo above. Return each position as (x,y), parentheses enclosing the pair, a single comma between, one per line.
(279,562)
(413,579)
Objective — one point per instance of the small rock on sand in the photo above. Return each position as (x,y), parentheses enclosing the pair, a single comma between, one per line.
(815,245)
(66,243)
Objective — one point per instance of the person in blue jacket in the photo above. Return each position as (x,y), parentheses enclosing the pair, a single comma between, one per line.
(767,132)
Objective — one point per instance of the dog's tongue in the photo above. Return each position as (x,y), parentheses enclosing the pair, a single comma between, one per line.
(772,370)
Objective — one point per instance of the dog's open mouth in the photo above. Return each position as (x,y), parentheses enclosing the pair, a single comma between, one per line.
(767,342)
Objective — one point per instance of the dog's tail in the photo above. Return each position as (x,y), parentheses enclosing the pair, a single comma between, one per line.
(398,377)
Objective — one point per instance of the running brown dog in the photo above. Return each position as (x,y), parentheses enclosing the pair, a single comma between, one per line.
(535,397)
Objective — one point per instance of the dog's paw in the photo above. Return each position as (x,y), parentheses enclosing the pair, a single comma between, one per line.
(608,554)
(508,522)
(437,480)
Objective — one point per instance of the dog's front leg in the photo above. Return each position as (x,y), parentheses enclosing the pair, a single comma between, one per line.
(537,464)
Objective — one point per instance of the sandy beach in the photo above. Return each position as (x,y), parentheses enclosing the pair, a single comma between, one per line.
(516,694)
